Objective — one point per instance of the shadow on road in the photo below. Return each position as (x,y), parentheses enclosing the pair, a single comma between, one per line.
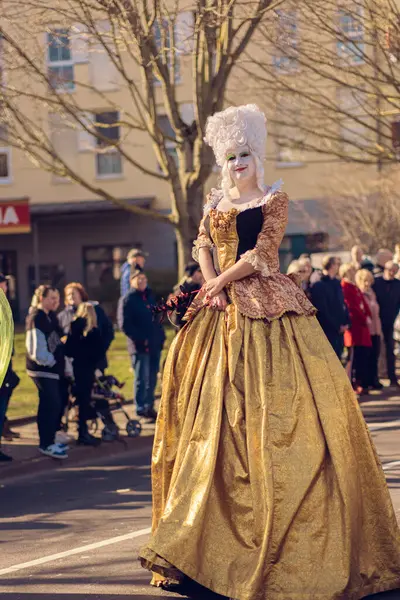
(83,488)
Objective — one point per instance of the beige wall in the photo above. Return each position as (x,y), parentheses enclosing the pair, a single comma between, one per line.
(303,181)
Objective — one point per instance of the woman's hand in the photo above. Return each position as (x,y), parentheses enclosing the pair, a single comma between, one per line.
(219,302)
(213,287)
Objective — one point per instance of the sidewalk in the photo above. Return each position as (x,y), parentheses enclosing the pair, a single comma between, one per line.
(28,460)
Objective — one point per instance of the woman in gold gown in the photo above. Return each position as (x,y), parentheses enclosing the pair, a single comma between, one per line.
(266,484)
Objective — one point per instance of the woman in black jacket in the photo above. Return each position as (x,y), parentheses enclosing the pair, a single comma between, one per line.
(84,345)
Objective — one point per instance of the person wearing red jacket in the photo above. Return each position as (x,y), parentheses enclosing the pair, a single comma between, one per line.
(357,338)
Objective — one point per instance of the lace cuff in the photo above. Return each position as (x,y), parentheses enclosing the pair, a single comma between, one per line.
(200,243)
(254,259)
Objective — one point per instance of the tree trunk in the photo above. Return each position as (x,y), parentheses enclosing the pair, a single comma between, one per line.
(184,240)
(188,224)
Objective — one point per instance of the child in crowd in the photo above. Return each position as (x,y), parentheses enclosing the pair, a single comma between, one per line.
(84,345)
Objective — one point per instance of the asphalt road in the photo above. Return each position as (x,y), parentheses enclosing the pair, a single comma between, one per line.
(98,516)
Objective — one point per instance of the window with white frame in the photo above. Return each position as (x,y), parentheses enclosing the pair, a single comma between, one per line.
(285,57)
(350,45)
(393,38)
(395,127)
(5,165)
(108,157)
(5,151)
(60,60)
(162,39)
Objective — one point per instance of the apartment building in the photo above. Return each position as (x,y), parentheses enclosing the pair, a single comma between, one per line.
(53,230)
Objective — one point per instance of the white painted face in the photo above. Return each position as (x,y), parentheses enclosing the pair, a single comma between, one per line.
(241,164)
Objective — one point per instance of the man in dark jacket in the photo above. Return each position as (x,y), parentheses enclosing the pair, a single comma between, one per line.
(145,341)
(387,290)
(327,297)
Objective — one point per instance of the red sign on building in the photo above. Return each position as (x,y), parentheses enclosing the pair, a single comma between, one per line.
(15,216)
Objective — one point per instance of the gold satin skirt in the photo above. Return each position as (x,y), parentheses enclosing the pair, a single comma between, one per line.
(266,484)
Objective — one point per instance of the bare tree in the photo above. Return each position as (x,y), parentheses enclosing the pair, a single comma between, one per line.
(363,211)
(147,44)
(329,72)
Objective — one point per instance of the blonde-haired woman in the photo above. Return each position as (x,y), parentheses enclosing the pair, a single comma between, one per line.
(364,281)
(85,347)
(357,338)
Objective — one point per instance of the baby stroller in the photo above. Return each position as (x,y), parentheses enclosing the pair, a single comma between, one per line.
(105,397)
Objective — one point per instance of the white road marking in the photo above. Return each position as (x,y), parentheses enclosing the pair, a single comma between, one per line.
(52,557)
(389,466)
(385,425)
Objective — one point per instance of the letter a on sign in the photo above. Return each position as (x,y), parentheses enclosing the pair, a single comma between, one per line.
(10,216)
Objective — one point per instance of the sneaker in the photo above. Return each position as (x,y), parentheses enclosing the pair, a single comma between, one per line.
(88,440)
(5,457)
(65,447)
(54,451)
(63,438)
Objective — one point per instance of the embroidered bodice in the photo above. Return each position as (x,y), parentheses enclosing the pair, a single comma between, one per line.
(254,235)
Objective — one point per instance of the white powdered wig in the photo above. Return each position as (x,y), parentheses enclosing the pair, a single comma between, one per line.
(235,127)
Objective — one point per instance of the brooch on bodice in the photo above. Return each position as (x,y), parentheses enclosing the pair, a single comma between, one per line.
(223,220)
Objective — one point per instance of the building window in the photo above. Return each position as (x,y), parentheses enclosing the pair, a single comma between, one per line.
(285,57)
(102,269)
(108,157)
(393,38)
(60,60)
(5,165)
(350,45)
(53,275)
(162,39)
(396,137)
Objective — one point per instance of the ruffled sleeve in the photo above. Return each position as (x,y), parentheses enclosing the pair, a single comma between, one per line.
(264,256)
(203,240)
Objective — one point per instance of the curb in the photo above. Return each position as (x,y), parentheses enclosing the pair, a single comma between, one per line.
(84,456)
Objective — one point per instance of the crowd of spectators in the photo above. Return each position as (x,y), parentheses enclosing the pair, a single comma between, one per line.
(358,307)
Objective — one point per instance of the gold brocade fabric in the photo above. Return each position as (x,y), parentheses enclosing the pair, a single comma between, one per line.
(266,484)
(268,294)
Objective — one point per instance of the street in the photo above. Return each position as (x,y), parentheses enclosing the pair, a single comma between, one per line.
(98,516)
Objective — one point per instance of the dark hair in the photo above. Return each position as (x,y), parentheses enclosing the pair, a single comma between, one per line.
(191,269)
(79,288)
(328,262)
(135,273)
